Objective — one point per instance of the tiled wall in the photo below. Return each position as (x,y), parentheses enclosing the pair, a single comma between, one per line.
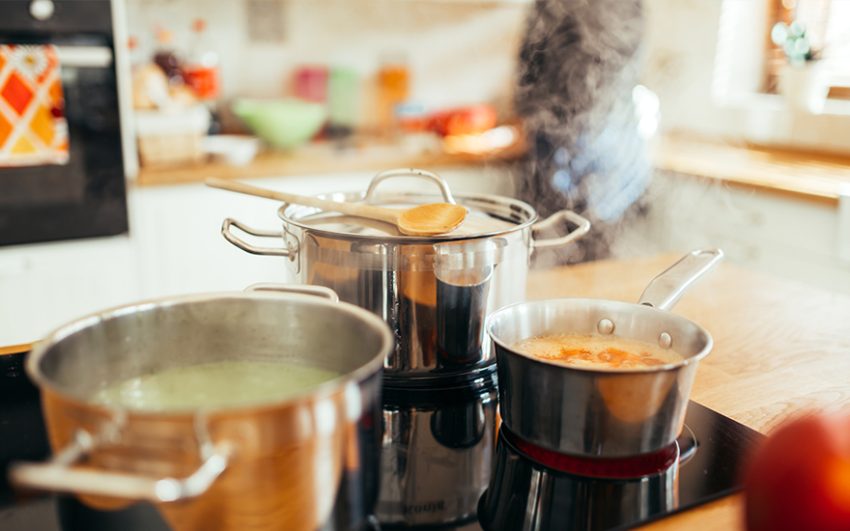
(459,52)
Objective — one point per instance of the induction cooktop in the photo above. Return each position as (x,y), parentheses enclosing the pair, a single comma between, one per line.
(530,496)
(527,495)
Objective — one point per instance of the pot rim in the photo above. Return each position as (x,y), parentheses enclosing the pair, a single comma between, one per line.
(667,367)
(324,389)
(509,202)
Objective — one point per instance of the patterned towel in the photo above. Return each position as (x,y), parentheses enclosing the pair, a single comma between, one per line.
(33,130)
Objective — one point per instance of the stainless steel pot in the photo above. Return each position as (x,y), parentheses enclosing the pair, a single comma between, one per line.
(602,413)
(433,292)
(280,464)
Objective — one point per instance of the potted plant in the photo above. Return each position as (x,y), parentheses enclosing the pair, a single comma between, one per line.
(802,81)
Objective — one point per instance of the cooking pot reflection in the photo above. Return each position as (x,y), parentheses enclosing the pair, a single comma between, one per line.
(437,452)
(524,495)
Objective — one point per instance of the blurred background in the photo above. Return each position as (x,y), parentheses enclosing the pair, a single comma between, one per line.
(672,124)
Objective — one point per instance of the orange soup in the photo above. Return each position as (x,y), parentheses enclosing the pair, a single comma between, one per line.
(597,352)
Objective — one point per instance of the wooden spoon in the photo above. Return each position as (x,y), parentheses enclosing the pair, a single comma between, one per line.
(423,220)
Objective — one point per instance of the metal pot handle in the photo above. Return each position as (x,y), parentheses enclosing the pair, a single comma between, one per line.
(409,172)
(253,249)
(58,475)
(318,291)
(665,290)
(582,227)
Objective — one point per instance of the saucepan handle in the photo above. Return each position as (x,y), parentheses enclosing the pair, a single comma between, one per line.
(318,291)
(665,290)
(410,172)
(582,226)
(58,475)
(253,249)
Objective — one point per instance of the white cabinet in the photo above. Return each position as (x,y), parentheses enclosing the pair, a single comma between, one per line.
(782,235)
(42,285)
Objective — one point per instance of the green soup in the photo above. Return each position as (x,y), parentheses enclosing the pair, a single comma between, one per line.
(214,385)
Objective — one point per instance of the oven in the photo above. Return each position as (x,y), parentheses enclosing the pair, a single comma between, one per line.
(65,146)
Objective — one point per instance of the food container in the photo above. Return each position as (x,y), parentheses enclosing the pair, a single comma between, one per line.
(302,462)
(172,137)
(602,413)
(434,292)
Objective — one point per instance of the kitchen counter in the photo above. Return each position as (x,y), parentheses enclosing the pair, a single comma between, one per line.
(780,348)
(818,177)
(327,157)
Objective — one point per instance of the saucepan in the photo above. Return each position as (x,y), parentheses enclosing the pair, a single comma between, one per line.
(292,462)
(591,412)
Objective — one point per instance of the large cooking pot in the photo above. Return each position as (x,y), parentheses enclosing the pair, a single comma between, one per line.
(433,292)
(292,464)
(602,413)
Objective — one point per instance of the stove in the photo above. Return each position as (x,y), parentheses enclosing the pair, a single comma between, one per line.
(522,493)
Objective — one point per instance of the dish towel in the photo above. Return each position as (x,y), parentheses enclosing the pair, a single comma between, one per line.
(33,129)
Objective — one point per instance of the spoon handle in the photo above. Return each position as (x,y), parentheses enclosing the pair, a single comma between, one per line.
(352,209)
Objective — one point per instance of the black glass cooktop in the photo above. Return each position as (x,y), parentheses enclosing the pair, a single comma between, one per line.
(527,496)
(540,499)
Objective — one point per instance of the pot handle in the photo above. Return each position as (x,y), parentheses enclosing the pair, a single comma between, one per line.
(57,475)
(308,289)
(253,249)
(582,227)
(665,290)
(410,172)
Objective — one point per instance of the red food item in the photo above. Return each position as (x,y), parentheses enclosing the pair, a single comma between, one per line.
(800,477)
(464,120)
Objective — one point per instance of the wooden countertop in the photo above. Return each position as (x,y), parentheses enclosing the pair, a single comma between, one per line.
(324,157)
(813,176)
(780,348)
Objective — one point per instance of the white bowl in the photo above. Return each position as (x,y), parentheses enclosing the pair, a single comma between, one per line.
(236,150)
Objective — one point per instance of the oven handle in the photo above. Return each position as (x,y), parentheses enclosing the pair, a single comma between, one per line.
(57,475)
(226,231)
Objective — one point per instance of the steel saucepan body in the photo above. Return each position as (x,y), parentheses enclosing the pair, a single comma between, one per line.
(598,413)
(278,465)
(434,293)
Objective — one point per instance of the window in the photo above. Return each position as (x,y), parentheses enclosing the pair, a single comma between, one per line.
(827,23)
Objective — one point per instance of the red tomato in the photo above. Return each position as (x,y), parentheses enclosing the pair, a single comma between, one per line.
(799,479)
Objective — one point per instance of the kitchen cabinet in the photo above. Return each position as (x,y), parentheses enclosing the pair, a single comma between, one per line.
(776,233)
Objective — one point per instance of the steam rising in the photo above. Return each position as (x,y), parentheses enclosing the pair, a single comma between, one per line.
(579,64)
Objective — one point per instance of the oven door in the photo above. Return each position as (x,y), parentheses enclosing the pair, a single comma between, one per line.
(61,168)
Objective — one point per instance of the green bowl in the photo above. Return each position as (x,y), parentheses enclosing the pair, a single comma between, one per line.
(283,123)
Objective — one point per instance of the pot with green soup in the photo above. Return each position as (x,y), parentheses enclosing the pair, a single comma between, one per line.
(256,410)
